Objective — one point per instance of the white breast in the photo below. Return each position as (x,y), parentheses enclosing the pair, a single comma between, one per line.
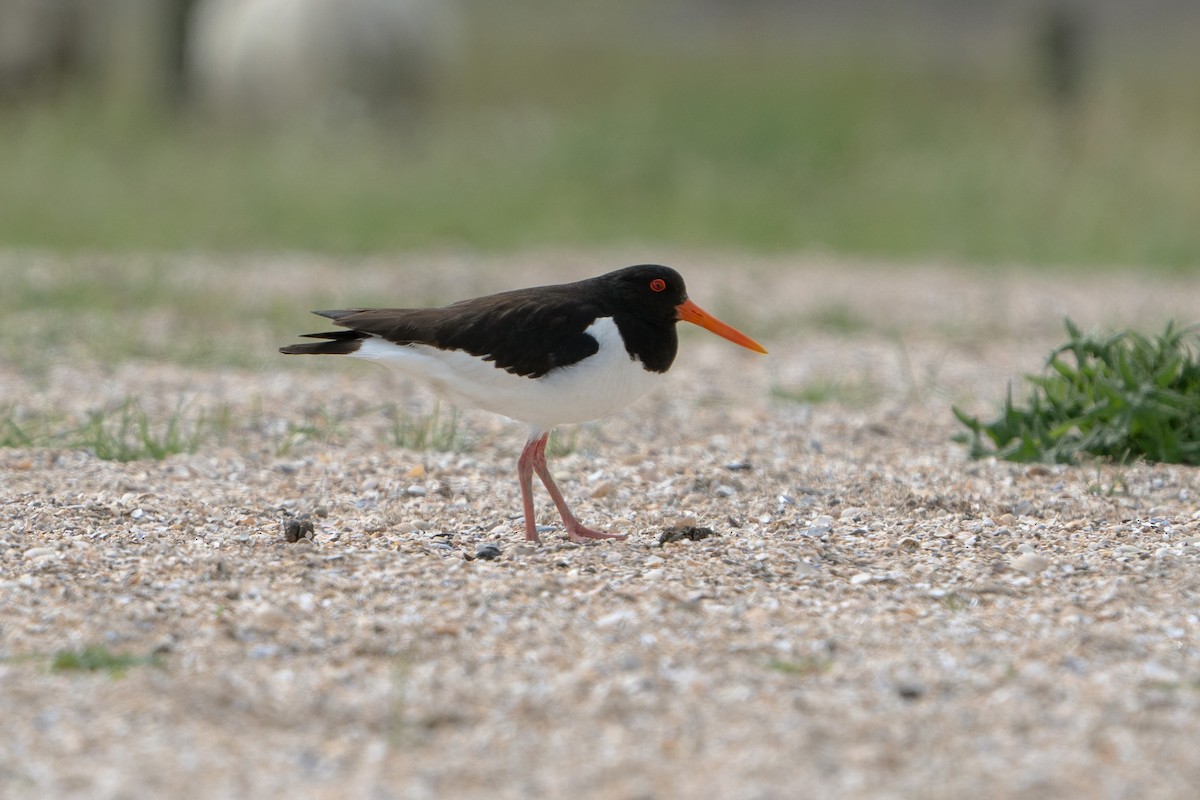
(599,385)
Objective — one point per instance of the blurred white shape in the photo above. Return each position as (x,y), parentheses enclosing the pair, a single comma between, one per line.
(291,61)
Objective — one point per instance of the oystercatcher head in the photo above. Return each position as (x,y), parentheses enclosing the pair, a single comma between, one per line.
(544,356)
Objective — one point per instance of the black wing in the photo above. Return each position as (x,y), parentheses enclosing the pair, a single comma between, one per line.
(526,332)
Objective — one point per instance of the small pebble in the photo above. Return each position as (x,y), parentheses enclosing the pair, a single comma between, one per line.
(268,619)
(820,526)
(602,489)
(295,530)
(1157,673)
(689,532)
(649,473)
(1023,508)
(804,569)
(616,618)
(260,651)
(488,552)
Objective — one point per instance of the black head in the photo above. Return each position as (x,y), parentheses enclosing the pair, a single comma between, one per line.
(650,299)
(650,291)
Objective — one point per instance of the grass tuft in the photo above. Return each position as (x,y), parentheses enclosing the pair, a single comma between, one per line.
(98,658)
(804,667)
(22,429)
(321,424)
(126,432)
(564,441)
(432,431)
(1121,396)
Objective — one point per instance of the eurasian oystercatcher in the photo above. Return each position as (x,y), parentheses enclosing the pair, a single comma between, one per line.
(544,356)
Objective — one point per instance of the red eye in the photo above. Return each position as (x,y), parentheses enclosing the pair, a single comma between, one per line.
(658,285)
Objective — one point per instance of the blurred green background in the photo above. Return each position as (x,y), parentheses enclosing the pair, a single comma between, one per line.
(1035,132)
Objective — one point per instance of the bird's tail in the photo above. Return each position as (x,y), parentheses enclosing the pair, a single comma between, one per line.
(337,343)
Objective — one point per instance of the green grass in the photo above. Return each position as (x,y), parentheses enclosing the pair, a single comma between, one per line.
(19,429)
(803,667)
(112,308)
(98,658)
(125,432)
(434,431)
(730,143)
(567,440)
(320,424)
(1120,396)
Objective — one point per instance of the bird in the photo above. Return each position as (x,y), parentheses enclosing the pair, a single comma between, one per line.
(544,356)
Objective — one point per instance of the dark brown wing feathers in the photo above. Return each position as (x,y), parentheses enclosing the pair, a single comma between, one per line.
(526,332)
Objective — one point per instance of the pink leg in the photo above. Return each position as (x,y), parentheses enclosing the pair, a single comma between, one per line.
(534,456)
(525,477)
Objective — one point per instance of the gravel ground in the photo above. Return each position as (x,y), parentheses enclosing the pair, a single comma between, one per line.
(874,615)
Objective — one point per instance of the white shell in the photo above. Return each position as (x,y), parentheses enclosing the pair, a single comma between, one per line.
(1031,563)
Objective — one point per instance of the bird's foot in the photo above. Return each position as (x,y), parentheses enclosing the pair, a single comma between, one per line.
(582,533)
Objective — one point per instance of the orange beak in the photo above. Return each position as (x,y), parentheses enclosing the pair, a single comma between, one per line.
(690,312)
